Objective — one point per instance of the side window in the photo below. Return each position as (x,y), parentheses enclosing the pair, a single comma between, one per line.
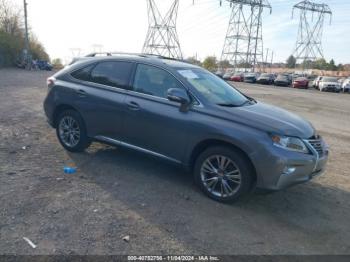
(154,81)
(114,74)
(83,73)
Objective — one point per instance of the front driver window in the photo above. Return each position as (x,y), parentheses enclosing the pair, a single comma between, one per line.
(154,81)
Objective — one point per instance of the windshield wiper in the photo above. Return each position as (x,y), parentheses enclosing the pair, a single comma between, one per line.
(246,102)
(252,99)
(227,105)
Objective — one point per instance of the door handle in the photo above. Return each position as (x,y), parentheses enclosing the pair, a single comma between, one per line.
(81,93)
(133,106)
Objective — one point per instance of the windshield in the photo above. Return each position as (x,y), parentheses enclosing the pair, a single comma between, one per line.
(214,89)
(330,79)
(266,75)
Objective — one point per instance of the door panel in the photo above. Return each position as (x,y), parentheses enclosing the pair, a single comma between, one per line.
(100,94)
(102,110)
(151,121)
(156,125)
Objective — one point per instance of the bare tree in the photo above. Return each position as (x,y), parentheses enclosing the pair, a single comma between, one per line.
(10,19)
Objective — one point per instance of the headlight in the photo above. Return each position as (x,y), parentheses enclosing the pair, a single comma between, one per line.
(289,143)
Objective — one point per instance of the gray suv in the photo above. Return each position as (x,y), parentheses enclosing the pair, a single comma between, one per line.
(187,115)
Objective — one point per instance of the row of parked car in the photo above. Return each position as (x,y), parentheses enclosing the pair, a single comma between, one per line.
(321,83)
(34,65)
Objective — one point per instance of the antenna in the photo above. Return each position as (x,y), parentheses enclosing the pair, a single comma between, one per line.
(162,38)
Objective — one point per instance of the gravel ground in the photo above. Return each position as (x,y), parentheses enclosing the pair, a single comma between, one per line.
(118,193)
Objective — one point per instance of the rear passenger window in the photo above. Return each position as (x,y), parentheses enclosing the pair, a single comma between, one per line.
(83,74)
(114,74)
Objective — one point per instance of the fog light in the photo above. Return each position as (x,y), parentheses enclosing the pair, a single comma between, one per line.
(288,170)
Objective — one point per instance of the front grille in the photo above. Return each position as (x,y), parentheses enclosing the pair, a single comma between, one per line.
(317,145)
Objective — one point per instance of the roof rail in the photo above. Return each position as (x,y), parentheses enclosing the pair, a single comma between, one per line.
(135,54)
(109,54)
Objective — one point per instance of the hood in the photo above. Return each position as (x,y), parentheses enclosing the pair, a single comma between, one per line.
(271,119)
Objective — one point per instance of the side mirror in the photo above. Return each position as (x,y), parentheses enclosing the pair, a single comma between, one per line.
(180,96)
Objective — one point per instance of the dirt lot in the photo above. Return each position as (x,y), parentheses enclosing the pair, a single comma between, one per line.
(117,192)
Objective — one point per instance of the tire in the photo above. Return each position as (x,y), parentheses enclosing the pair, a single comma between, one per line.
(81,140)
(240,178)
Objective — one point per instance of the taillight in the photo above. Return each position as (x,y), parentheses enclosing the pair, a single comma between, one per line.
(50,81)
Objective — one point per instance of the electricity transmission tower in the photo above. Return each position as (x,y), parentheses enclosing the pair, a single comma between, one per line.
(309,41)
(162,38)
(244,43)
(76,51)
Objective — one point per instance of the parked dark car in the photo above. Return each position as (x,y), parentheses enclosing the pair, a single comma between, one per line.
(266,79)
(44,65)
(301,82)
(186,115)
(283,80)
(250,77)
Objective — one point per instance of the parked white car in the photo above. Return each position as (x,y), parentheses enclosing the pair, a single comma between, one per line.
(346,85)
(316,82)
(330,84)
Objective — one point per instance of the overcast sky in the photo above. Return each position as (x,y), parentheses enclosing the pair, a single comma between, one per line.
(121,25)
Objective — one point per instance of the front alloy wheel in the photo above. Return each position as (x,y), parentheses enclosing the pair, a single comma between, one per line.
(220,176)
(223,173)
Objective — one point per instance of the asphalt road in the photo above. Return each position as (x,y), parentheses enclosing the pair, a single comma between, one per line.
(118,193)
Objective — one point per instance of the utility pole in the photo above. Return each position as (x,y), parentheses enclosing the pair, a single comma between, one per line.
(26,51)
(267,54)
(244,41)
(309,41)
(271,62)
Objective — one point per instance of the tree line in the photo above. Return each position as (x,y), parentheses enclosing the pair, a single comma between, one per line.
(211,63)
(320,64)
(12,36)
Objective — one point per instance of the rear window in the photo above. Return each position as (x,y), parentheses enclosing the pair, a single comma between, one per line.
(115,74)
(282,77)
(83,73)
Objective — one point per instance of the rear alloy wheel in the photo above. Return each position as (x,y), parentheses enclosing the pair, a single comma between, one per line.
(71,131)
(223,174)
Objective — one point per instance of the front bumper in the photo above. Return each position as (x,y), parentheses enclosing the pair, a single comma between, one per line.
(280,83)
(264,81)
(331,88)
(278,168)
(301,174)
